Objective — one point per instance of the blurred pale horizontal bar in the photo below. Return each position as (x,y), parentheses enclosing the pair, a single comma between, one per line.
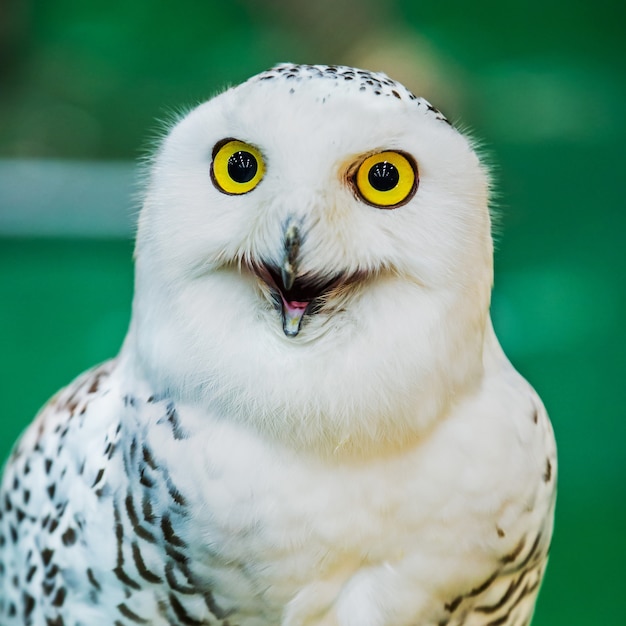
(50,198)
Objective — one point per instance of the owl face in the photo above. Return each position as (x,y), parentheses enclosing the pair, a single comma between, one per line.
(308,212)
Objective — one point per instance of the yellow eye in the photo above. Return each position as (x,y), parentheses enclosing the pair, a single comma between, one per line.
(387,179)
(237,167)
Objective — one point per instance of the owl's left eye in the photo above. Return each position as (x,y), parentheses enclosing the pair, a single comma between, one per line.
(386,179)
(237,167)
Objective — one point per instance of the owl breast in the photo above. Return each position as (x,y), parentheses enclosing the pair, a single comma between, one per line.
(285,532)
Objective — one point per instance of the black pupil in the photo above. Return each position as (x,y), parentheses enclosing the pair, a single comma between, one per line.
(383,176)
(242,166)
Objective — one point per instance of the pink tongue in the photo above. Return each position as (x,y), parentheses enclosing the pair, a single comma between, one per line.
(292,316)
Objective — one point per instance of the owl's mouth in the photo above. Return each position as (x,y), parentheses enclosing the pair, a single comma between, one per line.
(304,296)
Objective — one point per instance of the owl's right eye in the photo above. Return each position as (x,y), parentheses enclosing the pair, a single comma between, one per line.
(387,179)
(237,167)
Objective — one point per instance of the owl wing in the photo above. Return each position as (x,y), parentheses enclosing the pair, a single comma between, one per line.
(54,481)
(88,515)
(507,598)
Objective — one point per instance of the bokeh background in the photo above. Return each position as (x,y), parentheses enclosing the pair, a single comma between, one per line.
(85,87)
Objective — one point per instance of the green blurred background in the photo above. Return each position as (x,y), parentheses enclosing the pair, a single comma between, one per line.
(86,86)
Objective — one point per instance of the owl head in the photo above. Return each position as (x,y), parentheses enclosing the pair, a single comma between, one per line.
(314,260)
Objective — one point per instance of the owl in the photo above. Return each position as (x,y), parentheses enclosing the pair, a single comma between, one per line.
(310,421)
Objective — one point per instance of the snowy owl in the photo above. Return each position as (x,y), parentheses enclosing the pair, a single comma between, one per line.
(310,422)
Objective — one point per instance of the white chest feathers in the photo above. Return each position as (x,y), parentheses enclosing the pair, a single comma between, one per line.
(386,541)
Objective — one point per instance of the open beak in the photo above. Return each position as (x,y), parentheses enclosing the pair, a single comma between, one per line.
(297,294)
(293,310)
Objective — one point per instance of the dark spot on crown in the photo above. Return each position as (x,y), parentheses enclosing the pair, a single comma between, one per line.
(375,83)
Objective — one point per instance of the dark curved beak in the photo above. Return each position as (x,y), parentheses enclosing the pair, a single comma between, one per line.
(289,266)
